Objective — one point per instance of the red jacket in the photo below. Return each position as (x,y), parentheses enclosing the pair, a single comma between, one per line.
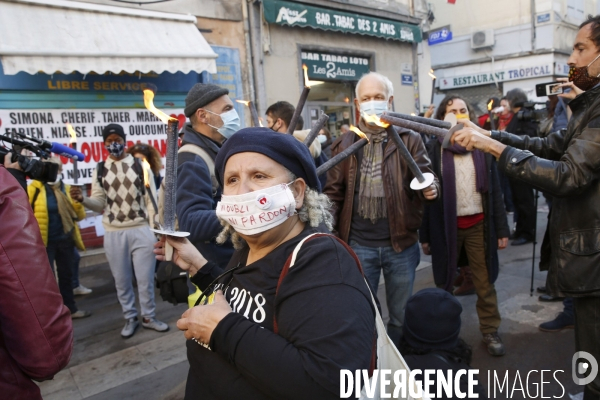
(36,333)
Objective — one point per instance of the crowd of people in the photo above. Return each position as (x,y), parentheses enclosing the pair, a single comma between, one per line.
(282,263)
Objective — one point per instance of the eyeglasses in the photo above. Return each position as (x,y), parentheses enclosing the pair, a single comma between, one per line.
(207,295)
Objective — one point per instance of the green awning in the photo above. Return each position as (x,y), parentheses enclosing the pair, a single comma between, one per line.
(296,14)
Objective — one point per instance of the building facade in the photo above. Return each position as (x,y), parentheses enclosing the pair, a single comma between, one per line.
(480,49)
(337,42)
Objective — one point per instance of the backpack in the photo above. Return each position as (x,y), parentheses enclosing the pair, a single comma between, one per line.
(199,151)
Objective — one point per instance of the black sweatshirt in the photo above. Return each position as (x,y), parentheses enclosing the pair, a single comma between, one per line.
(325,317)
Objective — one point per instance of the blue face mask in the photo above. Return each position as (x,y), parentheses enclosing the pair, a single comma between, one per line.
(115,149)
(231,123)
(376,107)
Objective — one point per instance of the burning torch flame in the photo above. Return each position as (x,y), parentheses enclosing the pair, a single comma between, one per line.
(306,81)
(375,119)
(490,105)
(72,133)
(149,103)
(431,74)
(244,102)
(146,168)
(358,132)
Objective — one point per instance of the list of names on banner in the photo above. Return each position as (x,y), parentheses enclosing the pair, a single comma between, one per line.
(140,125)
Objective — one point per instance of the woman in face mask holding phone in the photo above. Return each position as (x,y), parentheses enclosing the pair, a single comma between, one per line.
(274,324)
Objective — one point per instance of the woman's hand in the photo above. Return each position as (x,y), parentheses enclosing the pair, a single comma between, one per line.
(470,124)
(426,249)
(185,254)
(502,243)
(575,91)
(199,322)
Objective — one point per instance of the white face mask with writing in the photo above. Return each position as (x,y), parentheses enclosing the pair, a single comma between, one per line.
(256,212)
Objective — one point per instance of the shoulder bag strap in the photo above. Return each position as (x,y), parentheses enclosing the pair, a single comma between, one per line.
(199,151)
(291,260)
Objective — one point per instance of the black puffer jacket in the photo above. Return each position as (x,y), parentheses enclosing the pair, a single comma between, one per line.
(565,164)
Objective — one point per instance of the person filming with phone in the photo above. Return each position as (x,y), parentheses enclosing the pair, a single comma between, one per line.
(565,164)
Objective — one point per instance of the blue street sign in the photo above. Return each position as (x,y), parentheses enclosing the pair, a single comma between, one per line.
(543,18)
(407,80)
(439,36)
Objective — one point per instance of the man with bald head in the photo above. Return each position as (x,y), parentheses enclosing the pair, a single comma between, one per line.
(375,211)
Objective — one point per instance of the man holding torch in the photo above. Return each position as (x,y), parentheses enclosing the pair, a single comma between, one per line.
(567,166)
(118,191)
(212,121)
(376,212)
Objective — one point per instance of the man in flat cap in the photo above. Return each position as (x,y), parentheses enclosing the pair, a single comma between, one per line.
(212,121)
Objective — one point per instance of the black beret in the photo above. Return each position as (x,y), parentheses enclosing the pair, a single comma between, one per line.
(432,320)
(200,95)
(113,128)
(283,148)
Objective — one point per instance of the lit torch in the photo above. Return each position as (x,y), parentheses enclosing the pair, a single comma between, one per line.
(170,173)
(147,184)
(422,180)
(433,77)
(300,105)
(427,126)
(338,158)
(491,115)
(314,131)
(74,147)
(253,112)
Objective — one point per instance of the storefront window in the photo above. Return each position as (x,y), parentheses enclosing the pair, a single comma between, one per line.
(334,99)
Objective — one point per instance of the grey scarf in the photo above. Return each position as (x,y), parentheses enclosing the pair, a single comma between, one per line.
(371,195)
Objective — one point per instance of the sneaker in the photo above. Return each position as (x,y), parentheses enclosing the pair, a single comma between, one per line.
(81,291)
(129,329)
(153,323)
(494,344)
(80,314)
(562,321)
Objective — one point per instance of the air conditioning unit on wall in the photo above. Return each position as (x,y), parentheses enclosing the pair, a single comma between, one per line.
(482,39)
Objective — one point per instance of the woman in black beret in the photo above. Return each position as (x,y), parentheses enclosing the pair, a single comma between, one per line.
(274,325)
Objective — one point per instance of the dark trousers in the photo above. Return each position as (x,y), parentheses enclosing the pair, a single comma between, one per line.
(507,193)
(525,211)
(62,252)
(587,336)
(76,259)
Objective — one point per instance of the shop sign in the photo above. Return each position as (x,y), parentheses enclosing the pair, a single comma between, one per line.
(296,14)
(92,82)
(486,78)
(140,126)
(325,66)
(407,80)
(561,69)
(439,36)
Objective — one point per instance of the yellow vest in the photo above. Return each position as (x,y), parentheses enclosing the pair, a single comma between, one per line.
(40,210)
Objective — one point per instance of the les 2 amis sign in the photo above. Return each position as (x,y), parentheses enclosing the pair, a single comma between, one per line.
(326,66)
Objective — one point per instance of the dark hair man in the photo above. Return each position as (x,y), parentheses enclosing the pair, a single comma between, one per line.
(567,166)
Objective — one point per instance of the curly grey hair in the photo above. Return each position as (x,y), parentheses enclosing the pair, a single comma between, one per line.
(315,210)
